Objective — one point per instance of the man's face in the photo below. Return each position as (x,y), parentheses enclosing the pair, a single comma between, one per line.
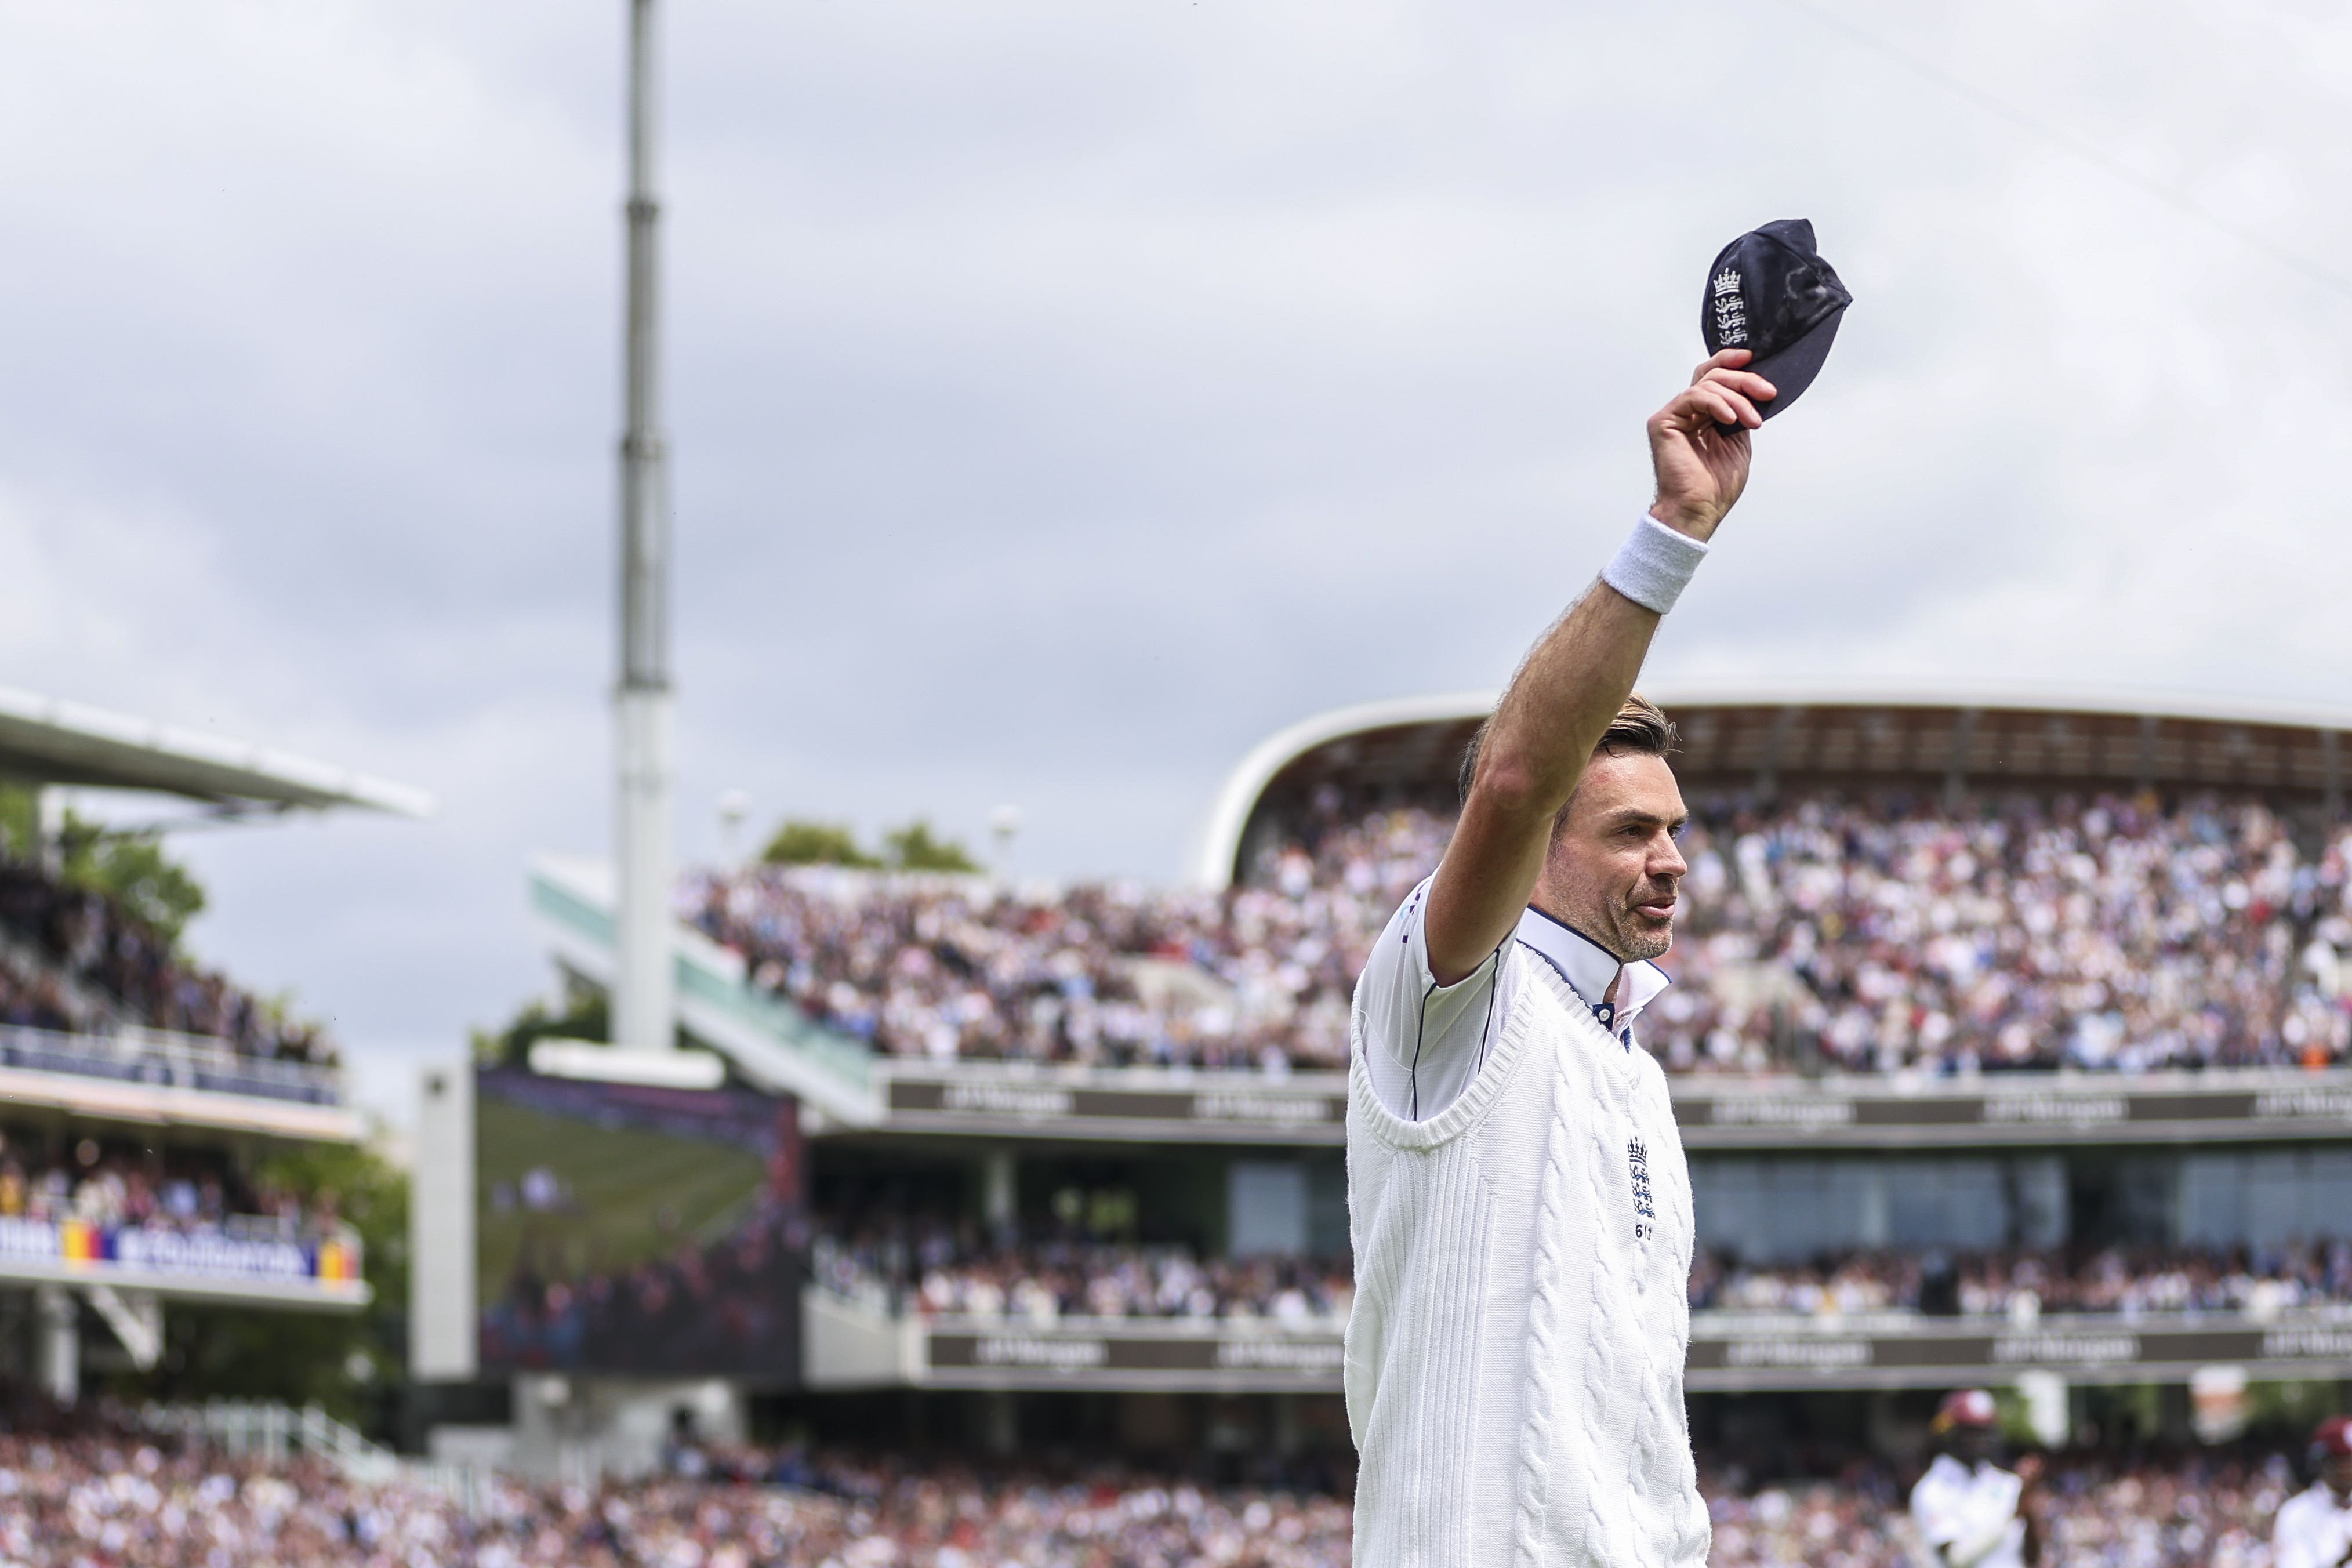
(1976,1445)
(1614,872)
(2337,1472)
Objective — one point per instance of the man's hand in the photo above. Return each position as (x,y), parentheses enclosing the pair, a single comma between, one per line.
(1702,466)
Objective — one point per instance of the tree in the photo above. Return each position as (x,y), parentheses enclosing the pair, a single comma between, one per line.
(798,843)
(20,820)
(586,1015)
(913,849)
(353,1364)
(132,869)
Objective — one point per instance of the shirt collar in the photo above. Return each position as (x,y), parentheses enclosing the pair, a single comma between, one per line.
(1592,969)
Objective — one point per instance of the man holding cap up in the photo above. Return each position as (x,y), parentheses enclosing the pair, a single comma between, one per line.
(2313,1528)
(1516,1196)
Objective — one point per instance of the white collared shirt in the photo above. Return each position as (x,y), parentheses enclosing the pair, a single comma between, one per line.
(2314,1530)
(1967,1515)
(1424,1042)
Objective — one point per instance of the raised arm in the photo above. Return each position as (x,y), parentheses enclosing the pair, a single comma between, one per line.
(1576,678)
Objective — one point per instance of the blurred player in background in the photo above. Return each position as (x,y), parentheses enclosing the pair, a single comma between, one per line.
(2315,1527)
(1970,1513)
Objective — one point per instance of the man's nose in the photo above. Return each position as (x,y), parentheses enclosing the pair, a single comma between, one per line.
(1668,860)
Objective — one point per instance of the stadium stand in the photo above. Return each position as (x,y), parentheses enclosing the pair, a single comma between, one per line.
(939,1270)
(940,1274)
(2009,1043)
(191,1191)
(139,1087)
(2260,1282)
(2101,933)
(123,1496)
(79,963)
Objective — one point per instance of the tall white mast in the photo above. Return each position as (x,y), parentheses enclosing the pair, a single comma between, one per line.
(641,993)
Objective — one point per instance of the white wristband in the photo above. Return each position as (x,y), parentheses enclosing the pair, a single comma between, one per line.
(1654,564)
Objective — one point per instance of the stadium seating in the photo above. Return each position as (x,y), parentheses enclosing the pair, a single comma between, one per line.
(2027,1283)
(1867,937)
(72,961)
(122,1498)
(2206,1510)
(191,1193)
(935,1271)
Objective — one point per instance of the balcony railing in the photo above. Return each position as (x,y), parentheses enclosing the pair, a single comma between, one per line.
(163,1060)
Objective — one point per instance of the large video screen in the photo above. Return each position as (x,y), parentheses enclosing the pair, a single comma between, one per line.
(629,1229)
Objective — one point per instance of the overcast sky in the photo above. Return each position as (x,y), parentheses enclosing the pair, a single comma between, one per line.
(1063,396)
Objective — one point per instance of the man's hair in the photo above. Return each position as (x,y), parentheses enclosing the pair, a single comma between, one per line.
(1641,727)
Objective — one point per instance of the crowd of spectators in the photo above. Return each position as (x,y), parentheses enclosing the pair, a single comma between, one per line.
(2026,934)
(194,1194)
(91,941)
(1858,936)
(716,1306)
(32,1000)
(2026,1283)
(2187,1511)
(937,1269)
(940,1269)
(126,1499)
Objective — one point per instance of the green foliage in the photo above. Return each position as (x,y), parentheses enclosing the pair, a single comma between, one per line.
(586,1015)
(352,1364)
(20,820)
(913,849)
(132,869)
(798,843)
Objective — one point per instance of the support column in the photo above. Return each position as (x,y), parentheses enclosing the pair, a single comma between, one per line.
(49,828)
(58,1358)
(643,981)
(137,1319)
(999,1192)
(1000,1423)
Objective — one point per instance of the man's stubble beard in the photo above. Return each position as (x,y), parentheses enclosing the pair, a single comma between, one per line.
(1637,943)
(1631,938)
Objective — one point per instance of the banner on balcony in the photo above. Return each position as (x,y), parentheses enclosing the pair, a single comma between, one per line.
(104,1250)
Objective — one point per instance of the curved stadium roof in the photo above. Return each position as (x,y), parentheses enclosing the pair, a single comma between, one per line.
(1765,737)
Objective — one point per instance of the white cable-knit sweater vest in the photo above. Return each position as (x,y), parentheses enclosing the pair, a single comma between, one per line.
(1515,1356)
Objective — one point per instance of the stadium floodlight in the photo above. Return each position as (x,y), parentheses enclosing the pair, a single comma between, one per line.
(643,981)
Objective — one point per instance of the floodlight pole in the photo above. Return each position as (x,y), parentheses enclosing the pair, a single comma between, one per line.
(642,979)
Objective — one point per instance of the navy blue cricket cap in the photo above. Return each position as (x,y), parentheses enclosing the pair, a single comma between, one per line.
(1769,292)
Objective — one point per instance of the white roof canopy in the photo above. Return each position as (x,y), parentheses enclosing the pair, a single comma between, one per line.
(1852,732)
(48,741)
